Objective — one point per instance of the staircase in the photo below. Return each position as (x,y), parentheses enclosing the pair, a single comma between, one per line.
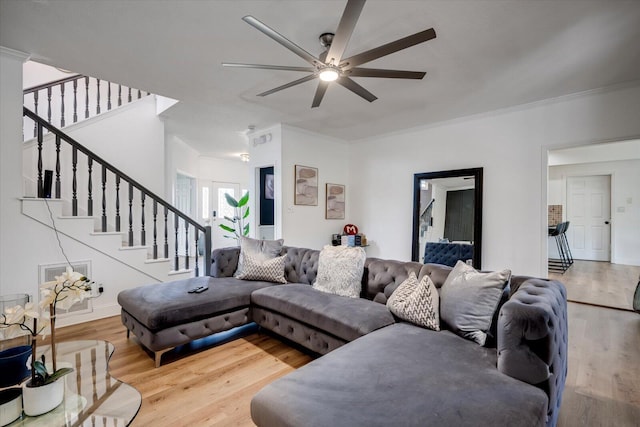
(91,201)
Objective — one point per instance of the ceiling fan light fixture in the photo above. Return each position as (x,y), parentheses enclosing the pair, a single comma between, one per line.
(329,74)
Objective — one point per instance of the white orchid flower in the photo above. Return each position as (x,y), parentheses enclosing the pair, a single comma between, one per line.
(18,321)
(69,276)
(68,289)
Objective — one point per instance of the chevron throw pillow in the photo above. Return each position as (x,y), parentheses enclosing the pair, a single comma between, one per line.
(416,302)
(270,270)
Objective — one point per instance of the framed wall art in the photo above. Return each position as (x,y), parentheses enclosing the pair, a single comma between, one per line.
(306,190)
(335,201)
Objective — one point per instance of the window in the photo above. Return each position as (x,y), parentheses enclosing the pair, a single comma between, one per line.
(223,207)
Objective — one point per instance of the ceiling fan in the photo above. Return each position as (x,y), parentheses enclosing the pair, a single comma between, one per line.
(329,66)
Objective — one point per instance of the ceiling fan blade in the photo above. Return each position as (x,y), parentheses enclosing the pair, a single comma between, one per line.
(288,85)
(320,91)
(269,67)
(282,40)
(389,74)
(345,29)
(356,88)
(388,48)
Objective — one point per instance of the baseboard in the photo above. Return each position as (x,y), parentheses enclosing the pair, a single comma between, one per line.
(97,313)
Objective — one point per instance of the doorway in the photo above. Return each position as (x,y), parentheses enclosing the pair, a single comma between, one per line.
(266,203)
(215,208)
(594,188)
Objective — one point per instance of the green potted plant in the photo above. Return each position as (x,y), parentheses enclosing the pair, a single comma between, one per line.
(239,226)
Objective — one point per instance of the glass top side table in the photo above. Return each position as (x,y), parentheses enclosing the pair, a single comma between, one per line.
(92,396)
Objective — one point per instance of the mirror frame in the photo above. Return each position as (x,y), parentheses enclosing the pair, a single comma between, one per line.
(477,209)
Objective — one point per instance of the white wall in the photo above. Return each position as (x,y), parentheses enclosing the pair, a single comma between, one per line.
(306,226)
(625,203)
(10,169)
(179,158)
(131,138)
(511,146)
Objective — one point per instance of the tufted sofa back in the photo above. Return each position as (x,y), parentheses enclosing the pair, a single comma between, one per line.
(447,253)
(301,265)
(532,338)
(382,277)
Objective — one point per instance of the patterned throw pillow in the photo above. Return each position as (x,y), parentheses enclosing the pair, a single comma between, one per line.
(416,302)
(270,270)
(469,298)
(259,250)
(340,270)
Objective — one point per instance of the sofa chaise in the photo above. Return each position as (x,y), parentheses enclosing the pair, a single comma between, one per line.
(375,369)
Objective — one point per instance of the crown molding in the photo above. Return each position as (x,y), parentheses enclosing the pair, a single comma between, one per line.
(14,54)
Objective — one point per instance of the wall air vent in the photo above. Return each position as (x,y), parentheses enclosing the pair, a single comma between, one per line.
(262,139)
(48,272)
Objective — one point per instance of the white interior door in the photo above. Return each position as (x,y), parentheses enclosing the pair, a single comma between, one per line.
(589,214)
(219,208)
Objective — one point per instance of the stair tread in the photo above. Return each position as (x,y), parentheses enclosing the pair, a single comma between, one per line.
(77,217)
(157,260)
(132,248)
(107,233)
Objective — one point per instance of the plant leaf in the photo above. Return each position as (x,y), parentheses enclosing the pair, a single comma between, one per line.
(227,228)
(243,201)
(246,213)
(40,369)
(230,200)
(246,230)
(58,374)
(233,220)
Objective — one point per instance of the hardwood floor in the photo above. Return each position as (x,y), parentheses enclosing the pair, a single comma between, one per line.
(197,385)
(600,283)
(213,386)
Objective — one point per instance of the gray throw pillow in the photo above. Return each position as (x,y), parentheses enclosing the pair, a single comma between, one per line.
(259,250)
(270,270)
(469,298)
(416,302)
(340,270)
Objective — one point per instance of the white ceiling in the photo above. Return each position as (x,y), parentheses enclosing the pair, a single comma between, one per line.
(488,54)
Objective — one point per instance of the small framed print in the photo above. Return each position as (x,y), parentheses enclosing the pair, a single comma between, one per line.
(335,201)
(306,191)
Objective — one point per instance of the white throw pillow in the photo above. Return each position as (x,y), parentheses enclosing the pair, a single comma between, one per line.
(469,298)
(270,270)
(416,302)
(259,250)
(340,270)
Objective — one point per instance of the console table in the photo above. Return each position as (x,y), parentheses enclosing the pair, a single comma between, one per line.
(92,396)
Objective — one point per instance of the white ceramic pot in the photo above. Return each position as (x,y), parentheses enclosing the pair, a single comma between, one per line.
(39,400)
(10,405)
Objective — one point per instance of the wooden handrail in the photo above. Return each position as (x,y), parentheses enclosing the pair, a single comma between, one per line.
(59,135)
(53,83)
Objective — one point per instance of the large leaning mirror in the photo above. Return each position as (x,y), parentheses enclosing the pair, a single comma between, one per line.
(447,217)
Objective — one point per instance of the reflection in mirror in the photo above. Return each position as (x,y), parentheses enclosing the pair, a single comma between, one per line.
(447,217)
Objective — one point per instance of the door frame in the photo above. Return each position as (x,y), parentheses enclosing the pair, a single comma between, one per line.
(277,201)
(611,175)
(544,196)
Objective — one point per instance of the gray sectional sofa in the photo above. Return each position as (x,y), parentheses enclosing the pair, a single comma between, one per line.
(375,370)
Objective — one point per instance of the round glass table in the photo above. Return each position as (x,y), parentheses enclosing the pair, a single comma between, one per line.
(92,396)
